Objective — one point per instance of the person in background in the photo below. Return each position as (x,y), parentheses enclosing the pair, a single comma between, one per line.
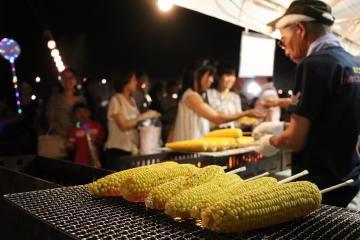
(194,114)
(222,99)
(268,91)
(123,117)
(169,105)
(59,109)
(141,96)
(237,88)
(86,137)
(325,120)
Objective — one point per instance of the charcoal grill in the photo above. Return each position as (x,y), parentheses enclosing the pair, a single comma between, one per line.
(74,214)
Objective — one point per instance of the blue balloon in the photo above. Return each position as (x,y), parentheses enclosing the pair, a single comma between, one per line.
(9,49)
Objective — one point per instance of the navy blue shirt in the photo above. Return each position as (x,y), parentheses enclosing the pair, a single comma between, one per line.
(329,82)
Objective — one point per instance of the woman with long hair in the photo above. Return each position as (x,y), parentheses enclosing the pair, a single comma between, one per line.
(194,113)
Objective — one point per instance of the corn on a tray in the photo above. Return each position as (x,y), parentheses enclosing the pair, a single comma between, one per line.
(228,133)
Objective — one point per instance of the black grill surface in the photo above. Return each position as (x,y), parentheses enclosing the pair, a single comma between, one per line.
(72,211)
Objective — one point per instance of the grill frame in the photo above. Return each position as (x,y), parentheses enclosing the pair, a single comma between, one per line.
(76,200)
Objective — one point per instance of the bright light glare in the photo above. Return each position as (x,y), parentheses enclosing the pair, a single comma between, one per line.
(33,97)
(253,88)
(51,44)
(55,52)
(103,81)
(165,5)
(37,79)
(61,68)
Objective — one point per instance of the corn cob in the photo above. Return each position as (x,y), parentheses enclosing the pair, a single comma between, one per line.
(162,193)
(249,120)
(228,133)
(181,204)
(233,190)
(137,187)
(110,184)
(204,144)
(262,208)
(221,143)
(245,141)
(198,145)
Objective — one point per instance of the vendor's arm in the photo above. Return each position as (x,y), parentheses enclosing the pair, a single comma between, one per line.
(196,103)
(295,135)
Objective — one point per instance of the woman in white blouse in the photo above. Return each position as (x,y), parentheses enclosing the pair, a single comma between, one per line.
(194,114)
(222,99)
(123,117)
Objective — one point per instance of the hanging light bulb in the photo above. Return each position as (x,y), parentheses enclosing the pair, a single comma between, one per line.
(51,44)
(165,5)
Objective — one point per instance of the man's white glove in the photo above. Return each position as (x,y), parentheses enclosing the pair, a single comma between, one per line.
(265,147)
(272,128)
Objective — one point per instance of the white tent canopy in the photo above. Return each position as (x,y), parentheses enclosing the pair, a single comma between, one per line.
(255,14)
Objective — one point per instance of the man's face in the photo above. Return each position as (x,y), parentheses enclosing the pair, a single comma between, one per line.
(293,40)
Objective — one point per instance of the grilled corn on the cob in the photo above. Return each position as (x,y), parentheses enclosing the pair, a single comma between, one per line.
(262,208)
(164,192)
(181,204)
(110,184)
(136,188)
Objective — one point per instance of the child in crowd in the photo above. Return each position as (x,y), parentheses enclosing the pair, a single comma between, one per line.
(86,137)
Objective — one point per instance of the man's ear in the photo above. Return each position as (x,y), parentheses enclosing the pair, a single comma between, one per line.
(300,28)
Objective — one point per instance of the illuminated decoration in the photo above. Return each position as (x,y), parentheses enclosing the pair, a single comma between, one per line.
(103,81)
(165,5)
(280,91)
(143,85)
(55,53)
(10,50)
(37,79)
(33,97)
(148,98)
(290,92)
(51,44)
(174,96)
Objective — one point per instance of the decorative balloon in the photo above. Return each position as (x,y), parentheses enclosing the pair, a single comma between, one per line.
(10,50)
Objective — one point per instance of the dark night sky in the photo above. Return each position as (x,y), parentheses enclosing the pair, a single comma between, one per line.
(99,37)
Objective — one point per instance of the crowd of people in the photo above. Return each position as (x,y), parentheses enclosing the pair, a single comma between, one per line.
(71,126)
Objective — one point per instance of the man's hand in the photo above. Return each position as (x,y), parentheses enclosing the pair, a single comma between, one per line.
(272,128)
(265,147)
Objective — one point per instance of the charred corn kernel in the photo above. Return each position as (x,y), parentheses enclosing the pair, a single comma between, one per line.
(137,187)
(164,192)
(198,145)
(262,208)
(229,132)
(245,141)
(110,184)
(235,189)
(181,204)
(248,120)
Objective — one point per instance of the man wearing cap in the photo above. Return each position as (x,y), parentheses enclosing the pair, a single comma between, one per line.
(325,119)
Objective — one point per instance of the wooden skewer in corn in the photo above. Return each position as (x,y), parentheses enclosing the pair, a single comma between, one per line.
(257,176)
(237,170)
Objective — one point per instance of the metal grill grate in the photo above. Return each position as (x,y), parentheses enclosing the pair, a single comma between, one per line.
(74,212)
